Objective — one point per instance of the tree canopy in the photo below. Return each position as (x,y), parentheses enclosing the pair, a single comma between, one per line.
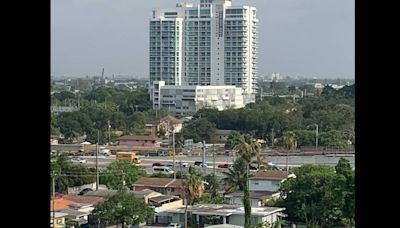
(122,172)
(318,195)
(123,208)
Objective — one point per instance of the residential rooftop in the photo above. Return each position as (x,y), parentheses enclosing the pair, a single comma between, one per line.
(224,210)
(157,182)
(270,175)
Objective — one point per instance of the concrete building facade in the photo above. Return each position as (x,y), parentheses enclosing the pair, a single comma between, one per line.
(211,43)
(182,100)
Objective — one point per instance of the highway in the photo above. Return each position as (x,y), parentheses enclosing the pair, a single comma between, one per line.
(278,160)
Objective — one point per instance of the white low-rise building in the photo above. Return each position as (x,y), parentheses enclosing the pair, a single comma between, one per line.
(227,214)
(183,100)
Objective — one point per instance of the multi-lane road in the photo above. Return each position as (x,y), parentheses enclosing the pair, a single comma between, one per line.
(278,160)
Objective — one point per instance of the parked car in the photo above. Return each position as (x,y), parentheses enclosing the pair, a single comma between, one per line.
(223,166)
(156,164)
(197,163)
(78,160)
(175,225)
(252,168)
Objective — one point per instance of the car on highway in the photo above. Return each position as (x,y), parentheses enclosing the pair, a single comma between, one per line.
(252,168)
(78,160)
(156,164)
(162,169)
(197,163)
(175,225)
(223,166)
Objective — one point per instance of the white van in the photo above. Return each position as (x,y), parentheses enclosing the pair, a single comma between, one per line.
(162,169)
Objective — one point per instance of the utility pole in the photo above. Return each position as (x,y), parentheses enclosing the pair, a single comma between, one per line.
(109,132)
(316,136)
(287,161)
(54,198)
(204,155)
(272,137)
(214,159)
(173,151)
(97,160)
(123,178)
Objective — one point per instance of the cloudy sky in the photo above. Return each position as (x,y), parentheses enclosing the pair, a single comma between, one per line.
(311,38)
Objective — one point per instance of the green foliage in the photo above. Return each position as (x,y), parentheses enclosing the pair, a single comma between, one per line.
(334,110)
(247,148)
(333,138)
(128,111)
(217,199)
(68,174)
(198,129)
(213,184)
(235,177)
(232,139)
(123,208)
(193,186)
(119,171)
(344,168)
(289,140)
(64,95)
(318,195)
(305,137)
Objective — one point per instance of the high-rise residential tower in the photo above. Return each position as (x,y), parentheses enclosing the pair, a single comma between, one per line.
(211,43)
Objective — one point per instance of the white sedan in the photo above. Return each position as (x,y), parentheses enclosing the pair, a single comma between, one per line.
(78,160)
(175,225)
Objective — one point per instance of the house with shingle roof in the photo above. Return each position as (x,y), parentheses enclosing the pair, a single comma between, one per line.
(166,186)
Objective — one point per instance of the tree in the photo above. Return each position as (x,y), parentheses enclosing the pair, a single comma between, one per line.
(344,168)
(193,188)
(123,208)
(333,138)
(235,177)
(68,174)
(233,138)
(315,196)
(290,143)
(193,185)
(213,185)
(198,129)
(119,172)
(247,148)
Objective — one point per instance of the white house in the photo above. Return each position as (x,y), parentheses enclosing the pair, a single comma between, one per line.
(257,198)
(267,180)
(227,214)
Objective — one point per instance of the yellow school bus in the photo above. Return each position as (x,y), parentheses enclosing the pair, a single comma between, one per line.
(128,156)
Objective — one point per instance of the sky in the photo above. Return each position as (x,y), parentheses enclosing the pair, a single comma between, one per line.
(309,38)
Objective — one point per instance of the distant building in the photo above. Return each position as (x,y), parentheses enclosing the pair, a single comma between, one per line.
(220,136)
(318,86)
(211,43)
(139,140)
(275,77)
(61,109)
(186,100)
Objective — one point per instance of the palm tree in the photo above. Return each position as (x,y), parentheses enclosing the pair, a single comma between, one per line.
(247,147)
(193,188)
(235,176)
(290,143)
